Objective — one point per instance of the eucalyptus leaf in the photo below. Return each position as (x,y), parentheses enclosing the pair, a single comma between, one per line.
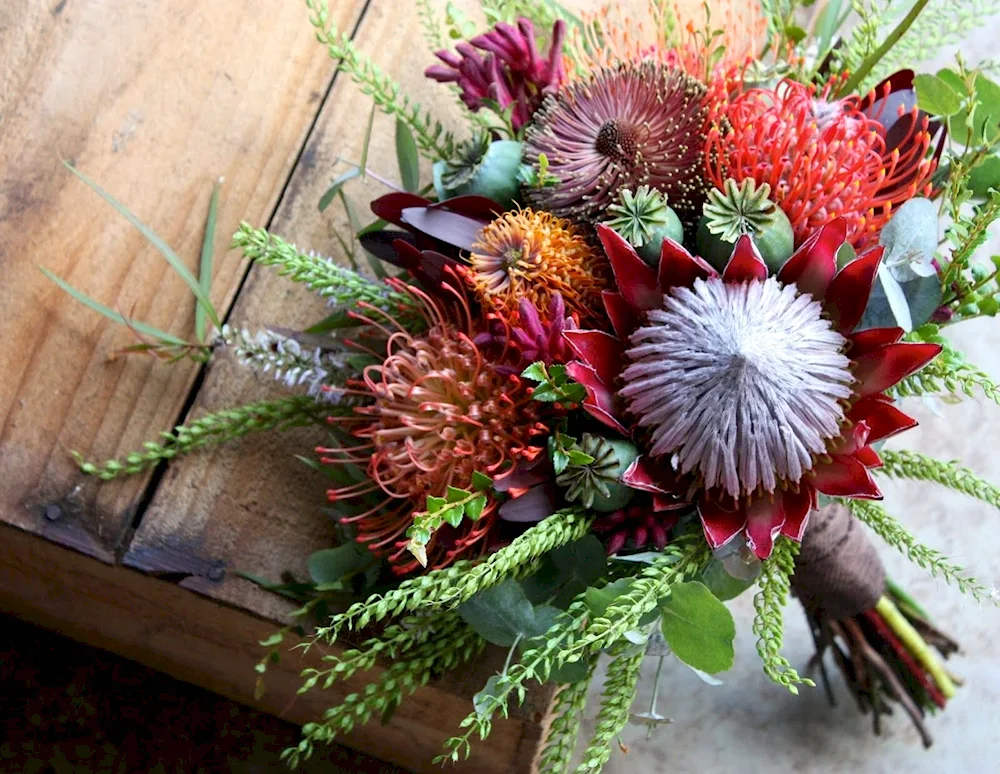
(985,175)
(910,239)
(723,585)
(923,296)
(936,97)
(332,565)
(599,599)
(895,298)
(502,613)
(698,628)
(567,571)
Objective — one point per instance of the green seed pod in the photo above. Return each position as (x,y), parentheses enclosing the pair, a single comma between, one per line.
(643,219)
(744,209)
(481,168)
(597,484)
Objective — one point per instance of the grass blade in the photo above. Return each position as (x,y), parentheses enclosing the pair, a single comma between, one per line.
(407,157)
(368,140)
(331,193)
(157,242)
(111,314)
(205,269)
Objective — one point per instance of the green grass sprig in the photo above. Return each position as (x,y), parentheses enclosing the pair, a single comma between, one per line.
(903,463)
(567,712)
(769,622)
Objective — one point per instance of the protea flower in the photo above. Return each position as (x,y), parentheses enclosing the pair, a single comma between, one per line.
(639,525)
(510,69)
(528,254)
(822,157)
(536,337)
(436,412)
(748,394)
(634,125)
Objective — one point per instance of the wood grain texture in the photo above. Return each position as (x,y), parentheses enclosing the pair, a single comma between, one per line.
(197,640)
(155,99)
(252,506)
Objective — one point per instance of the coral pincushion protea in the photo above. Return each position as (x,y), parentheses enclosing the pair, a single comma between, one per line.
(749,395)
(510,70)
(527,254)
(822,157)
(633,125)
(437,412)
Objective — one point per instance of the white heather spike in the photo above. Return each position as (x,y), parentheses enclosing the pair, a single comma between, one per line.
(740,383)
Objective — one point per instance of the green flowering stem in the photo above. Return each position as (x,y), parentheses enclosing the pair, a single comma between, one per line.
(876,56)
(769,623)
(908,464)
(451,586)
(338,284)
(433,142)
(567,712)
(619,691)
(214,429)
(916,645)
(892,532)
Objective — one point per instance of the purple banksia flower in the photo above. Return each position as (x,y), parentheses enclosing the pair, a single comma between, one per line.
(505,65)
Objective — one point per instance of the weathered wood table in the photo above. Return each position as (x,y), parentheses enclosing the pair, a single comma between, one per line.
(156,99)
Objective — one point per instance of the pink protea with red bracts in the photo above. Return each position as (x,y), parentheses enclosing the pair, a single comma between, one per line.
(823,157)
(748,395)
(534,338)
(436,412)
(504,65)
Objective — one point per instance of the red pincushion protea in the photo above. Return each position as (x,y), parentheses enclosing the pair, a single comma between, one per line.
(749,394)
(437,412)
(510,71)
(824,158)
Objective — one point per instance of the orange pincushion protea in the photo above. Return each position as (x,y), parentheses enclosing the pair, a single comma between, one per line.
(823,158)
(534,255)
(438,412)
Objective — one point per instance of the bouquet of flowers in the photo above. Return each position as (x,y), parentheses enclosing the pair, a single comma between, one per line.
(646,331)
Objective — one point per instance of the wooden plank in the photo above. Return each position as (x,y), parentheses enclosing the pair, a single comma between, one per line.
(155,99)
(252,506)
(197,640)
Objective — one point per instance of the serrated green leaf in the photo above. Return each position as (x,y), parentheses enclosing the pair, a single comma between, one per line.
(557,372)
(545,394)
(474,508)
(535,372)
(935,96)
(407,157)
(577,457)
(698,628)
(453,494)
(481,482)
(560,460)
(453,515)
(435,504)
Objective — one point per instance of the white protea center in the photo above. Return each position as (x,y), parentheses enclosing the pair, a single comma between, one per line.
(742,384)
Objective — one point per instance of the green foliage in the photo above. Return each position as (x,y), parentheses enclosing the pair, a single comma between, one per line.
(895,534)
(782,30)
(433,31)
(620,685)
(908,464)
(542,13)
(769,623)
(503,615)
(341,286)
(863,39)
(554,385)
(698,628)
(407,158)
(456,505)
(214,429)
(431,138)
(537,663)
(567,712)
(947,374)
(451,586)
(450,646)
(941,24)
(968,285)
(626,613)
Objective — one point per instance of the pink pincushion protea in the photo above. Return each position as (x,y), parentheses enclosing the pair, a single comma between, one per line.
(749,394)
(509,71)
